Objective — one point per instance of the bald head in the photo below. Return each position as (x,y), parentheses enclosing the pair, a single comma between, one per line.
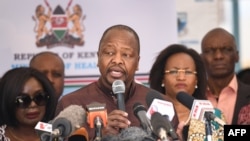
(121,28)
(52,66)
(45,54)
(218,32)
(219,53)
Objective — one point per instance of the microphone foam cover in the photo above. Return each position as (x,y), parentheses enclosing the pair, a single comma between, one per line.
(129,134)
(75,114)
(134,134)
(118,86)
(151,95)
(185,99)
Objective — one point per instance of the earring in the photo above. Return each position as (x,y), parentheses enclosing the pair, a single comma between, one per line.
(195,86)
(162,85)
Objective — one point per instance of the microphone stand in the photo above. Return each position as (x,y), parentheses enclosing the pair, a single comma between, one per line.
(208,129)
(98,129)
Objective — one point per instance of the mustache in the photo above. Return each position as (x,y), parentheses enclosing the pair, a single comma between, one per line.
(117,68)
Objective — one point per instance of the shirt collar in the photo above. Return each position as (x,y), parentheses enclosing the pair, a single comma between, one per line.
(233,85)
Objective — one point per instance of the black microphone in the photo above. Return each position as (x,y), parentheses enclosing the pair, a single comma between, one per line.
(171,130)
(140,113)
(163,127)
(188,101)
(61,127)
(156,102)
(118,88)
(185,99)
(68,120)
(159,126)
(151,95)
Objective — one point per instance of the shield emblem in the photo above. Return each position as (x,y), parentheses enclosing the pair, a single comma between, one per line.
(59,23)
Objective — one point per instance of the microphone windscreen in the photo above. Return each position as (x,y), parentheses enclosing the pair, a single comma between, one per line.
(151,95)
(134,134)
(75,114)
(130,134)
(118,86)
(185,99)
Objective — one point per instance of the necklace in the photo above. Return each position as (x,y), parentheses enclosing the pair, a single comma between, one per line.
(17,138)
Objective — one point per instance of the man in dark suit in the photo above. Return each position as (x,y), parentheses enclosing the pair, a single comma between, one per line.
(225,91)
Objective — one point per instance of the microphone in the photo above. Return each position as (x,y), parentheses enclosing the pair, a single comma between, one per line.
(156,103)
(61,127)
(130,134)
(44,131)
(199,108)
(97,118)
(171,130)
(202,112)
(68,120)
(140,113)
(163,127)
(163,107)
(151,95)
(134,134)
(160,129)
(118,88)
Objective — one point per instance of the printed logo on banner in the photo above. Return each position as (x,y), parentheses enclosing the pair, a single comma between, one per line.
(59,27)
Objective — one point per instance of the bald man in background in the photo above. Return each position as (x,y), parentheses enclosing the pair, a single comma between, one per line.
(225,90)
(52,66)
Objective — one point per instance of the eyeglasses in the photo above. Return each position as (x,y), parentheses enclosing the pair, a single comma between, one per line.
(24,100)
(177,72)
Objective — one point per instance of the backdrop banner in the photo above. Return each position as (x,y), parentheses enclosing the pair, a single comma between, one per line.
(73,28)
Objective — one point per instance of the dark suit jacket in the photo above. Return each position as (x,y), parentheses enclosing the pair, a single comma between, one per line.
(243,99)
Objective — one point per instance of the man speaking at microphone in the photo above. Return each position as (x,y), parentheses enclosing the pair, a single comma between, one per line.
(118,59)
